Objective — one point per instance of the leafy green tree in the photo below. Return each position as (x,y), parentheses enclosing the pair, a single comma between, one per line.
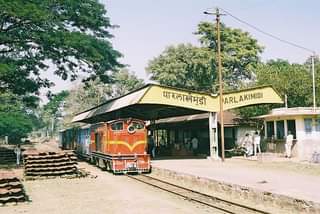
(124,82)
(194,67)
(52,111)
(16,120)
(293,80)
(95,92)
(239,51)
(69,36)
(184,66)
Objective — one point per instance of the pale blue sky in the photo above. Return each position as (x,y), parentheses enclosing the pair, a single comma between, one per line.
(148,26)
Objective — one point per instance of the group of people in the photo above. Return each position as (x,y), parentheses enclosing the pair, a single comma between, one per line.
(192,145)
(251,144)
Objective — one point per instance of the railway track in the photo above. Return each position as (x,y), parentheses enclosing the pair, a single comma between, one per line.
(219,204)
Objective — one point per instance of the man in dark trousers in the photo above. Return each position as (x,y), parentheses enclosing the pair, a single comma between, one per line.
(151,146)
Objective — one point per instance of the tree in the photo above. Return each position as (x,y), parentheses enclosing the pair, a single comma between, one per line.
(16,120)
(124,82)
(293,80)
(239,51)
(184,66)
(194,67)
(68,36)
(95,92)
(52,111)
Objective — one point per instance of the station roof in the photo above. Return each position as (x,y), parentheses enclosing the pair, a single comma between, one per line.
(285,112)
(153,102)
(229,119)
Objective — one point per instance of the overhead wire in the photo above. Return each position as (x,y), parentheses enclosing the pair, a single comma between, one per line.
(266,33)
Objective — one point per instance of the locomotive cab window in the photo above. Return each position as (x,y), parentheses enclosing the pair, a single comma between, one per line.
(118,126)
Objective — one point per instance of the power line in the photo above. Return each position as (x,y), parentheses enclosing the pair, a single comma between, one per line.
(287,42)
(268,34)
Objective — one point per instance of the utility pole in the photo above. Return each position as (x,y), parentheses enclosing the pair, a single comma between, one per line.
(313,82)
(220,83)
(218,14)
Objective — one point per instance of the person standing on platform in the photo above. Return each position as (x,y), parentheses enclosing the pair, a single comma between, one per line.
(17,151)
(151,146)
(162,144)
(256,143)
(289,140)
(247,144)
(195,145)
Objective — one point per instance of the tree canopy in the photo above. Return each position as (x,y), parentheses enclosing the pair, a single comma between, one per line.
(16,120)
(194,67)
(67,36)
(95,92)
(239,51)
(293,80)
(184,66)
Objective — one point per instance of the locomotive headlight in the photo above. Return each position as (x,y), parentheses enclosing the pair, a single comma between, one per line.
(131,129)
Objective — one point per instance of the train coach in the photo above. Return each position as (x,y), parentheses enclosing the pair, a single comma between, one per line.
(68,138)
(119,145)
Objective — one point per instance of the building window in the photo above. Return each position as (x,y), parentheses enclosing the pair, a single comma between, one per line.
(317,124)
(280,129)
(270,129)
(308,125)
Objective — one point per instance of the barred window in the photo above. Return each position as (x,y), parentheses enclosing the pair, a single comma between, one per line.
(308,125)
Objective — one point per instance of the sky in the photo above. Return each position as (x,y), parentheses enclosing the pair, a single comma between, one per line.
(147,27)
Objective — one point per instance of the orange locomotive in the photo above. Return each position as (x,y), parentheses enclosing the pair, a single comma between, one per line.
(120,146)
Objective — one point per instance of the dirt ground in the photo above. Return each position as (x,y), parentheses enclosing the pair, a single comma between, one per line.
(101,192)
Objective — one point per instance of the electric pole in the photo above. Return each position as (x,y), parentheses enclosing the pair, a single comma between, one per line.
(220,83)
(218,14)
(313,82)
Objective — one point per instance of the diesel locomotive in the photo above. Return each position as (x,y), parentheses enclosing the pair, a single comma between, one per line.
(119,145)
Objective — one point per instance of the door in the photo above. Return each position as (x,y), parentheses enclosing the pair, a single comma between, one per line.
(291,124)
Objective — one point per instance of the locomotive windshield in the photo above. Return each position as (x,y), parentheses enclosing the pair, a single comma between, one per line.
(118,126)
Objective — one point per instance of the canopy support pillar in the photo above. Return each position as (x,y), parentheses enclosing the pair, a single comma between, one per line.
(213,136)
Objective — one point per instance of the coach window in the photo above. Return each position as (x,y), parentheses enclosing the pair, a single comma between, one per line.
(118,126)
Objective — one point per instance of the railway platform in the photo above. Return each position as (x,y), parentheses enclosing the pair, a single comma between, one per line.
(276,181)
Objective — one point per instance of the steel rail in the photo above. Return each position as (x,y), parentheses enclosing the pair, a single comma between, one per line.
(142,178)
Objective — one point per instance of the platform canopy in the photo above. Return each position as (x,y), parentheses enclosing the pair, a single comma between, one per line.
(153,102)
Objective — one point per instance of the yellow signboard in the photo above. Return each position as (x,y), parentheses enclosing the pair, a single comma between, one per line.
(204,102)
(251,96)
(169,96)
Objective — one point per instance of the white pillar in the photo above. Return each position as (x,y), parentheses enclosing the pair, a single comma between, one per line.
(265,129)
(213,135)
(286,128)
(275,129)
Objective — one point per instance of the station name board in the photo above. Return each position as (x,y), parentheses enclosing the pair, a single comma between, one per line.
(241,98)
(187,98)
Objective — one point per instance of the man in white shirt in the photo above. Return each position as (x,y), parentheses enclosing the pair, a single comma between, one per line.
(256,143)
(247,144)
(17,150)
(194,143)
(288,144)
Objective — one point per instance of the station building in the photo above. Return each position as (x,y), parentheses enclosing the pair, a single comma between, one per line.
(302,122)
(173,135)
